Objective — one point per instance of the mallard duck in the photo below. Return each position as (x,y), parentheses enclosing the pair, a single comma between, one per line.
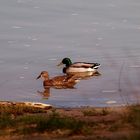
(65,81)
(78,66)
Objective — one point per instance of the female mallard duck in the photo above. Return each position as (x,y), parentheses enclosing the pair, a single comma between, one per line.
(78,66)
(65,81)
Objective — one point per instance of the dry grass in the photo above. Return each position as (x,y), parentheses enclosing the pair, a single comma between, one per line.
(84,123)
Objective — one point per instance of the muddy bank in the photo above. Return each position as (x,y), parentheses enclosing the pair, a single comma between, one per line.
(69,123)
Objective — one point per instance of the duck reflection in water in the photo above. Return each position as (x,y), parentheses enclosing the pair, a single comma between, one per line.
(85,75)
(46,93)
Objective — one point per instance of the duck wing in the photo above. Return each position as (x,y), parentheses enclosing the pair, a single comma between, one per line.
(85,65)
(64,81)
(59,78)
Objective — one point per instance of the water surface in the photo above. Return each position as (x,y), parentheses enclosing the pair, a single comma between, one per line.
(36,34)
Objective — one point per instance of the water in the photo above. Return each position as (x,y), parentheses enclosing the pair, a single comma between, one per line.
(36,34)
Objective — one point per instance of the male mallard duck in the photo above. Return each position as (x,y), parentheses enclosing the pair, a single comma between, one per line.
(65,81)
(78,66)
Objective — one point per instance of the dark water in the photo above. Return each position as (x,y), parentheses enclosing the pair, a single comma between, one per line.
(36,34)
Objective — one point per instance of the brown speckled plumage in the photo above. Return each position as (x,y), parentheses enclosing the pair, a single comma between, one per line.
(67,81)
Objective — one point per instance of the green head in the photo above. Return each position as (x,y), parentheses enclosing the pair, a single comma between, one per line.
(66,61)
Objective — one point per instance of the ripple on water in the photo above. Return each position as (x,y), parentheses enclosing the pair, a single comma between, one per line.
(111,102)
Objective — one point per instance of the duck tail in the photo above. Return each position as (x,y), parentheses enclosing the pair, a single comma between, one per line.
(96,65)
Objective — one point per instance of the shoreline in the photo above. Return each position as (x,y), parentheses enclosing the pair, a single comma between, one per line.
(24,121)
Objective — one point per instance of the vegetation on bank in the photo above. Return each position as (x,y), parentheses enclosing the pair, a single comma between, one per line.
(101,124)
